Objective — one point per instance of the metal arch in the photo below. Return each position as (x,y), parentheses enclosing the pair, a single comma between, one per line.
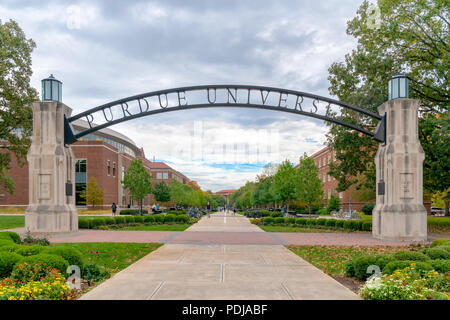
(378,134)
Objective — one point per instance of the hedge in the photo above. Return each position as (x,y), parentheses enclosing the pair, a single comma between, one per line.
(83,223)
(129,219)
(29,250)
(401,264)
(441,265)
(439,242)
(7,262)
(49,260)
(368,208)
(119,220)
(132,212)
(138,219)
(410,255)
(169,218)
(436,253)
(71,255)
(149,218)
(331,223)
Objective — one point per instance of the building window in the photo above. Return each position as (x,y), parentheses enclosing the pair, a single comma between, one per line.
(329,193)
(165,175)
(114,169)
(108,167)
(80,181)
(341,195)
(159,175)
(329,178)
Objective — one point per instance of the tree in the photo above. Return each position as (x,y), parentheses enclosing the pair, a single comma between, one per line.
(161,192)
(93,194)
(219,200)
(263,194)
(412,37)
(285,183)
(16,96)
(138,181)
(309,186)
(334,204)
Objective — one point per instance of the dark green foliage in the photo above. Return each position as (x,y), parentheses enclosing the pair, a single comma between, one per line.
(278,220)
(267,220)
(149,219)
(139,219)
(109,221)
(161,192)
(276,214)
(119,220)
(129,219)
(334,204)
(182,218)
(9,247)
(439,242)
(7,262)
(437,253)
(83,223)
(440,265)
(290,220)
(361,264)
(410,255)
(330,223)
(310,222)
(97,222)
(6,235)
(132,212)
(29,250)
(401,264)
(382,260)
(49,260)
(71,255)
(350,269)
(321,221)
(368,208)
(300,221)
(366,226)
(169,218)
(159,218)
(339,223)
(91,271)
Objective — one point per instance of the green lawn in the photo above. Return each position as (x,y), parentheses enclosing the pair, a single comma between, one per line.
(158,227)
(9,222)
(332,259)
(113,256)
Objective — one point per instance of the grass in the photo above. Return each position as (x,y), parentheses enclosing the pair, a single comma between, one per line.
(9,222)
(113,256)
(333,259)
(158,227)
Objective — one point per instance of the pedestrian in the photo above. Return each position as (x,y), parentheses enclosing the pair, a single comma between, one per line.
(208,209)
(157,207)
(114,208)
(153,208)
(234,210)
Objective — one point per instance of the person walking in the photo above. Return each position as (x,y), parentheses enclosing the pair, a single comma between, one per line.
(114,208)
(208,209)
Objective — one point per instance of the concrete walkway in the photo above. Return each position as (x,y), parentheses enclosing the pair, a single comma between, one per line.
(218,270)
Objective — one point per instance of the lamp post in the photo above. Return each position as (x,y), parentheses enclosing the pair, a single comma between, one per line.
(51,89)
(398,87)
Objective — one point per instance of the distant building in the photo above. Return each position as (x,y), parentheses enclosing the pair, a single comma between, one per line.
(104,155)
(226,193)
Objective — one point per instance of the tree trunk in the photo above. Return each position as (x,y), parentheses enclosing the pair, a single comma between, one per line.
(140,207)
(309,208)
(446,208)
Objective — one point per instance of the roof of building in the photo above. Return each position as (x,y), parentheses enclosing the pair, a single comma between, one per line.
(158,165)
(319,152)
(227,191)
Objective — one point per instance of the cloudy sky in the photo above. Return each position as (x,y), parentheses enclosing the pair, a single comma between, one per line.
(107,50)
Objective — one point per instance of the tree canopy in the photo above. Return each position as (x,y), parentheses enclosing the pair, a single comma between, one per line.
(138,181)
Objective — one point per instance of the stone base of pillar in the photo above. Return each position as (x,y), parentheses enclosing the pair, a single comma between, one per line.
(44,220)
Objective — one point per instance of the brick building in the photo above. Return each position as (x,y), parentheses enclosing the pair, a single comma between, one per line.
(226,193)
(104,155)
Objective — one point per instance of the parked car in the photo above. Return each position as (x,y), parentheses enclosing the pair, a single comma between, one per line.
(436,211)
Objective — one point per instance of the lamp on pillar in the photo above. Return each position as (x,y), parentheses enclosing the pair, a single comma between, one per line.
(51,89)
(398,87)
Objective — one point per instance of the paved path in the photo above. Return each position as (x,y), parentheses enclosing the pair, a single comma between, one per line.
(212,268)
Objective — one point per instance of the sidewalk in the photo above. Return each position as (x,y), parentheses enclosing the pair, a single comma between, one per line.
(209,269)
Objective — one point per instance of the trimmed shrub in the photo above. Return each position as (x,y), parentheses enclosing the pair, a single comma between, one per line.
(129,219)
(71,255)
(401,264)
(7,262)
(446,248)
(354,225)
(350,269)
(10,247)
(139,219)
(290,220)
(159,218)
(310,222)
(90,271)
(265,213)
(96,222)
(368,208)
(119,220)
(9,235)
(339,223)
(149,218)
(441,265)
(383,260)
(278,220)
(83,223)
(366,226)
(267,220)
(361,264)
(330,223)
(109,221)
(321,221)
(182,218)
(437,253)
(300,221)
(276,214)
(440,242)
(26,251)
(169,218)
(49,260)
(410,256)
(132,212)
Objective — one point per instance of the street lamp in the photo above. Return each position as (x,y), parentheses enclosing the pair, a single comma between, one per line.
(51,89)
(398,87)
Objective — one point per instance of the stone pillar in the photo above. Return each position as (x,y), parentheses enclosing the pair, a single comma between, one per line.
(51,167)
(399,213)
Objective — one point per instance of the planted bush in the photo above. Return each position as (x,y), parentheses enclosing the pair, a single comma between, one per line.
(361,264)
(310,222)
(300,222)
(290,220)
(25,272)
(109,221)
(139,219)
(440,265)
(368,208)
(420,266)
(436,253)
(71,255)
(159,218)
(96,222)
(276,214)
(132,212)
(49,260)
(91,271)
(83,223)
(330,223)
(26,251)
(9,235)
(383,260)
(366,226)
(119,220)
(7,262)
(410,255)
(169,218)
(182,218)
(321,221)
(267,220)
(440,242)
(129,219)
(339,223)
(278,220)
(149,219)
